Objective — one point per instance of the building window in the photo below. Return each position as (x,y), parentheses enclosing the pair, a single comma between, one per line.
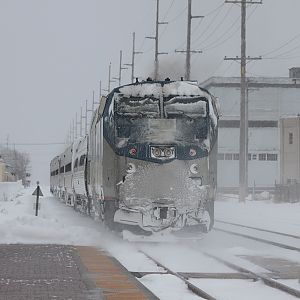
(290,138)
(236,156)
(68,167)
(228,156)
(82,160)
(76,163)
(254,156)
(62,169)
(262,156)
(220,156)
(249,156)
(272,157)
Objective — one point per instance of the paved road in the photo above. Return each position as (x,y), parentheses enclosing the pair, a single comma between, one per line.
(42,272)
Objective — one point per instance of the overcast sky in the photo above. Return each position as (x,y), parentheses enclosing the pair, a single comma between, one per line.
(54,53)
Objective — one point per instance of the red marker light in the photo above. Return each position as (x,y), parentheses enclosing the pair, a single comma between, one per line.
(193,152)
(132,151)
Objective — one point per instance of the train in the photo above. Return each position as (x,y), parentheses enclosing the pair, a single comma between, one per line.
(148,163)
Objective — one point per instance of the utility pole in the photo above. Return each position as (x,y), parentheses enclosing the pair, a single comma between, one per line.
(243,155)
(248,90)
(81,117)
(157,53)
(69,136)
(93,100)
(109,78)
(188,50)
(86,116)
(132,65)
(76,126)
(90,110)
(100,90)
(156,41)
(93,106)
(120,70)
(73,130)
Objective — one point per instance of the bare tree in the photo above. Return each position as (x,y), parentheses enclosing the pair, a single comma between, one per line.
(18,161)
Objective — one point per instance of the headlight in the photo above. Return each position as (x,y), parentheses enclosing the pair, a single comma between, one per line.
(131,168)
(162,152)
(168,152)
(194,168)
(156,152)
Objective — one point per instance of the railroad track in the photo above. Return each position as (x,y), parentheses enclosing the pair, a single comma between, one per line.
(196,290)
(259,229)
(291,240)
(241,273)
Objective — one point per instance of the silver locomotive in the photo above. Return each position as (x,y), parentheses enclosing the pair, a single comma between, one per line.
(149,162)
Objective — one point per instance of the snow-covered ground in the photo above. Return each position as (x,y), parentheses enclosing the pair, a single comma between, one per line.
(9,190)
(59,224)
(282,217)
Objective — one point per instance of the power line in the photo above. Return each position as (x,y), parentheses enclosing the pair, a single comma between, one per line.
(168,10)
(208,14)
(178,15)
(164,18)
(215,9)
(282,46)
(200,21)
(287,52)
(204,31)
(217,41)
(282,58)
(218,26)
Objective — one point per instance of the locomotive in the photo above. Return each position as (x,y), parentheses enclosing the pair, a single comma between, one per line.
(149,160)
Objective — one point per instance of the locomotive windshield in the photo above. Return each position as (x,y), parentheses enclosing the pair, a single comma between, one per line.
(171,119)
(193,107)
(136,107)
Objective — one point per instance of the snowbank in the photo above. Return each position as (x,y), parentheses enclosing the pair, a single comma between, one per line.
(8,190)
(57,223)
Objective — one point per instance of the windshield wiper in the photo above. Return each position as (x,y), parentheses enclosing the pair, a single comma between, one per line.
(175,113)
(136,114)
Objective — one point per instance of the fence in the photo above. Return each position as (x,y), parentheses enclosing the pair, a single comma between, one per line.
(287,192)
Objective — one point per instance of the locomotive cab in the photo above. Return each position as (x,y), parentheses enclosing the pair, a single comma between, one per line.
(163,136)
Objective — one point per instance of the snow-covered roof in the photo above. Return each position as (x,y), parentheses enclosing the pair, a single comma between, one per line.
(267,81)
(180,88)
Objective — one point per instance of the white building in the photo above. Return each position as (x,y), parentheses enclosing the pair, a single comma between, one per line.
(269,99)
(290,150)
